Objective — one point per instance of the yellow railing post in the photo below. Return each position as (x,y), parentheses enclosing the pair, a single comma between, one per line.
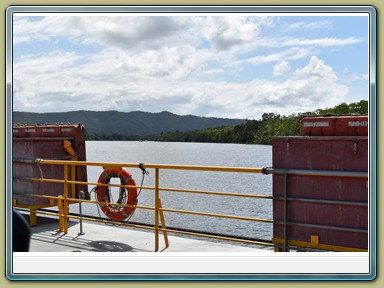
(32,217)
(157,209)
(165,233)
(65,200)
(72,153)
(60,206)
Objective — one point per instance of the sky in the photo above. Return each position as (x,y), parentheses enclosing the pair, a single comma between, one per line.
(229,66)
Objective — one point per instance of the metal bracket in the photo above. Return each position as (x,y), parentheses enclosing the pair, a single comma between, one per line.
(288,144)
(355,146)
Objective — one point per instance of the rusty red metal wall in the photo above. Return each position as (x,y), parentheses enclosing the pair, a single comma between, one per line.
(334,126)
(345,153)
(44,142)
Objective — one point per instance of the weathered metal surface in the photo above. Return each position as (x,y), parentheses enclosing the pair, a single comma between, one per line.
(334,126)
(322,153)
(34,142)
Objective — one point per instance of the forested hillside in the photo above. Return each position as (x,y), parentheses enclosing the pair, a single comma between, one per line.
(259,131)
(165,126)
(114,125)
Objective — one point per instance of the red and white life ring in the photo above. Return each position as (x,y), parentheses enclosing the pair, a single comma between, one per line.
(115,212)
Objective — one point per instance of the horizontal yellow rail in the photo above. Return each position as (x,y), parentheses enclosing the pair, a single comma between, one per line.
(153,166)
(63,201)
(176,190)
(216,215)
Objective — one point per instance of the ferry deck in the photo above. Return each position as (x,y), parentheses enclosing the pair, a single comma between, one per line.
(97,237)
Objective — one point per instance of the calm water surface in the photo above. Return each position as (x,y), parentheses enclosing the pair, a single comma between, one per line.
(236,155)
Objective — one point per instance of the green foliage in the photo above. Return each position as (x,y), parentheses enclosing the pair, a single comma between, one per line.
(134,126)
(259,131)
(118,137)
(343,109)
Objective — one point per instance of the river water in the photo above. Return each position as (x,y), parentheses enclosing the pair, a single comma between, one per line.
(207,154)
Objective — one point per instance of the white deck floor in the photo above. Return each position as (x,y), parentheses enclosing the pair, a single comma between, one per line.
(99,237)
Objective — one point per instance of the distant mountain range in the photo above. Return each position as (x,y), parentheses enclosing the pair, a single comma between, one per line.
(126,123)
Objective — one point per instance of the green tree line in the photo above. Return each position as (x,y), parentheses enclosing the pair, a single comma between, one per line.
(260,131)
(118,137)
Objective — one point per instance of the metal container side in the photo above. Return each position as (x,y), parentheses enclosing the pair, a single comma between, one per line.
(334,126)
(350,209)
(44,142)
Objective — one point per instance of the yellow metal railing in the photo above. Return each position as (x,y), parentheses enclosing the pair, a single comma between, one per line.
(63,201)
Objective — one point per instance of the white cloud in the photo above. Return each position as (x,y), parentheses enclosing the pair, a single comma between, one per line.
(316,68)
(132,33)
(105,83)
(281,67)
(314,85)
(128,32)
(26,29)
(138,32)
(310,25)
(226,32)
(322,42)
(290,54)
(186,65)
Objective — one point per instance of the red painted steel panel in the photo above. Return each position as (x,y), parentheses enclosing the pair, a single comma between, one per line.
(322,153)
(45,142)
(345,153)
(334,126)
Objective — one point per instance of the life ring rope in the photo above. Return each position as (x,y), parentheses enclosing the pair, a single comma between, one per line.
(127,196)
